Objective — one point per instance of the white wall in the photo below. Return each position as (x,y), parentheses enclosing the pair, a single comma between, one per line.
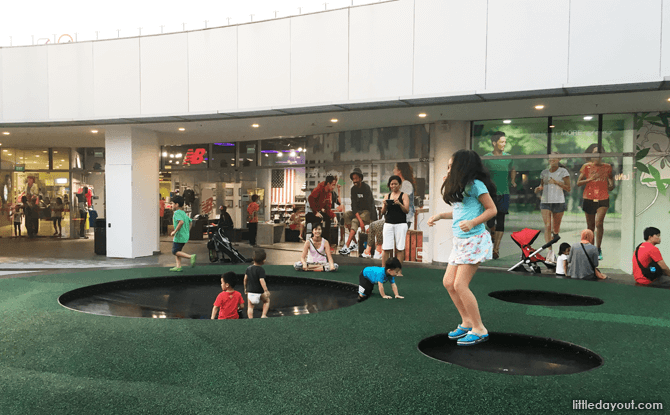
(445,139)
(131,175)
(404,48)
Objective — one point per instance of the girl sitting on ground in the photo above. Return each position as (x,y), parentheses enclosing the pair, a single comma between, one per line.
(562,260)
(316,254)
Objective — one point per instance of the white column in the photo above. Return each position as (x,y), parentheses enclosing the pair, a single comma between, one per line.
(131,169)
(446,138)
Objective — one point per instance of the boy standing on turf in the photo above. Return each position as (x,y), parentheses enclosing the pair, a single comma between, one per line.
(254,285)
(380,275)
(229,301)
(182,227)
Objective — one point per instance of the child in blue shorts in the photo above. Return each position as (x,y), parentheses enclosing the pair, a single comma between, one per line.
(468,188)
(380,275)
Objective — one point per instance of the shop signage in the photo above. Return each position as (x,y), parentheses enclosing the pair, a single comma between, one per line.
(20,167)
(195,156)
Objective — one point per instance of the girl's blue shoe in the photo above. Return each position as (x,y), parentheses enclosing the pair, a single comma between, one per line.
(459,332)
(472,338)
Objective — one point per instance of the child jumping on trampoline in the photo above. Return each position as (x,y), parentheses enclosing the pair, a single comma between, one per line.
(380,275)
(254,285)
(229,303)
(468,188)
(181,232)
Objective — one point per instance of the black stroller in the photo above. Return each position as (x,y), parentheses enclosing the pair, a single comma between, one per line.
(219,243)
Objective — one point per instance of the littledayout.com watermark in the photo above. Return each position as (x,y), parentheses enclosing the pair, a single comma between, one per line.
(578,404)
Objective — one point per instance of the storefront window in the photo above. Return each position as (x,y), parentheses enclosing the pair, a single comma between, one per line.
(223,155)
(283,151)
(387,143)
(61,158)
(248,154)
(573,134)
(523,136)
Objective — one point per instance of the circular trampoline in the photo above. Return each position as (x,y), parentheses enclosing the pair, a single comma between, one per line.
(548,298)
(513,354)
(192,297)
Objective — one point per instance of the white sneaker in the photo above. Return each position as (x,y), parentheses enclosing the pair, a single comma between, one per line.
(345,251)
(378,255)
(364,255)
(353,247)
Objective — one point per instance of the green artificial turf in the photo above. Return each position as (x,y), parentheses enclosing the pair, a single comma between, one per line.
(356,360)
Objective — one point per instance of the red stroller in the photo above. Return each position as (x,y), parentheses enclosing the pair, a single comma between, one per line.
(530,258)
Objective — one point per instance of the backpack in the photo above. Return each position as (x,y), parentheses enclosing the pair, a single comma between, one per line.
(650,272)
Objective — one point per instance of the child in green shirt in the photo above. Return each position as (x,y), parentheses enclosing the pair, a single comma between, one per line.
(182,226)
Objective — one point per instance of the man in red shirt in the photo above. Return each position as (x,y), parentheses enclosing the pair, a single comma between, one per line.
(320,201)
(648,252)
(252,221)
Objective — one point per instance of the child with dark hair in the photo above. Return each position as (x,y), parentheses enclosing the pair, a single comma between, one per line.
(181,233)
(229,302)
(468,188)
(562,260)
(254,285)
(380,275)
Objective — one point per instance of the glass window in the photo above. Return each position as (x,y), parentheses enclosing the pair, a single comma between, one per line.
(223,155)
(283,151)
(388,143)
(618,133)
(78,158)
(33,159)
(8,158)
(523,136)
(248,154)
(574,134)
(61,159)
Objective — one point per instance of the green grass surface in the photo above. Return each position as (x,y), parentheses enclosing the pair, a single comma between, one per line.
(355,360)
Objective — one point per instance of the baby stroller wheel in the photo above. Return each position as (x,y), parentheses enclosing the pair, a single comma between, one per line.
(213,255)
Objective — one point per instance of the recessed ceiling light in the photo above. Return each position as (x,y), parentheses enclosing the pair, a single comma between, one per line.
(588,118)
(178,155)
(177,162)
(7,132)
(44,151)
(255,125)
(37,155)
(423,115)
(182,129)
(507,121)
(552,126)
(279,154)
(62,160)
(4,151)
(94,131)
(668,99)
(539,107)
(334,120)
(165,154)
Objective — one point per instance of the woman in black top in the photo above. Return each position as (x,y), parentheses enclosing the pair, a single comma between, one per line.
(394,210)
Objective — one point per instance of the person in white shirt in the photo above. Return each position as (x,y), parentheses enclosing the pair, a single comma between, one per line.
(562,260)
(554,181)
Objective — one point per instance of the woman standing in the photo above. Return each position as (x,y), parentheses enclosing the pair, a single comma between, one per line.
(468,188)
(394,210)
(57,216)
(406,173)
(554,181)
(599,181)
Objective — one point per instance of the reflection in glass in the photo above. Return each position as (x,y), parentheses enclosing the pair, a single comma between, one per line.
(573,134)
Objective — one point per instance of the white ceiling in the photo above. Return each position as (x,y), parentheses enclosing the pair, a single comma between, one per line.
(238,129)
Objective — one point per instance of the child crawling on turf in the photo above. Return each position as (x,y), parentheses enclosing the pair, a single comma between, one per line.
(380,275)
(229,301)
(254,285)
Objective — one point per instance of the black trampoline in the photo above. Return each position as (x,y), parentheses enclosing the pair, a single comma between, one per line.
(547,298)
(192,297)
(513,354)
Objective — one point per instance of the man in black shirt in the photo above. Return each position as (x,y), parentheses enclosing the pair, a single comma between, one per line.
(362,211)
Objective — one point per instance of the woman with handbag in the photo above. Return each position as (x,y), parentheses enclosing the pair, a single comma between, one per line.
(583,259)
